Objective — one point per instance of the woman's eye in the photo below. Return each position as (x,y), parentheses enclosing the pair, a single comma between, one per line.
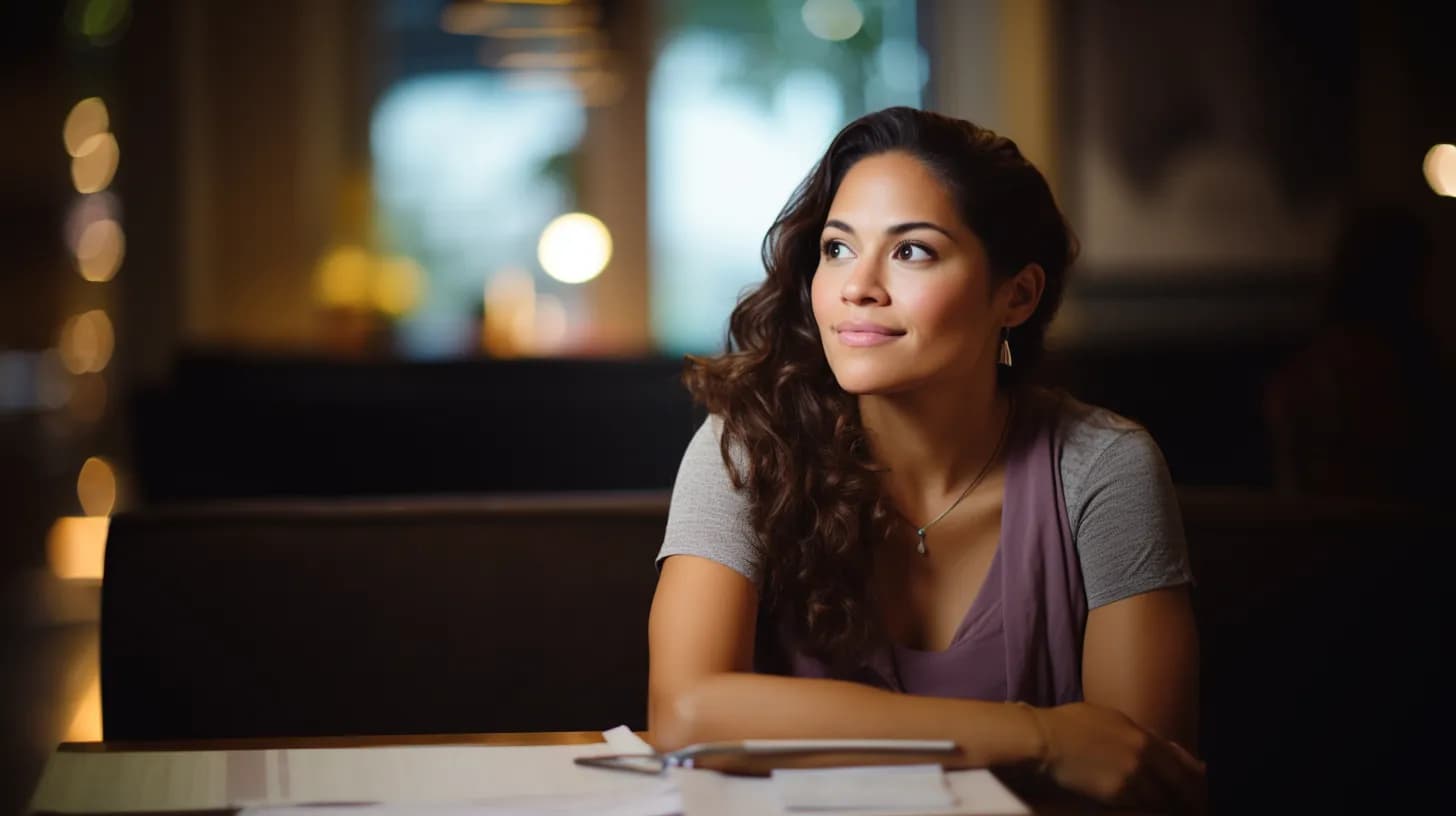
(912,252)
(835,249)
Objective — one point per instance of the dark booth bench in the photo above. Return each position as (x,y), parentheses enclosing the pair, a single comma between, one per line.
(1322,625)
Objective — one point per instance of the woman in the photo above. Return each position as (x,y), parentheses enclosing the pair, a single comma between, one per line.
(881,532)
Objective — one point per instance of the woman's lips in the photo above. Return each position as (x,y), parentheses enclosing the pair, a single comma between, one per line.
(861,335)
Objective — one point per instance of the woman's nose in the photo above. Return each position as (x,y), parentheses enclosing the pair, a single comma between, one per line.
(864,284)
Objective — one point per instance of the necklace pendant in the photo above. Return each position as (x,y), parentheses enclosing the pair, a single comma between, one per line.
(920,547)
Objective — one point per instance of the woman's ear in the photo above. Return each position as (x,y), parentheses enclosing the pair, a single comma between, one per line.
(1021,293)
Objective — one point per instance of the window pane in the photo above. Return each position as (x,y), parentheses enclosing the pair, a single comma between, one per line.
(743,99)
(466,176)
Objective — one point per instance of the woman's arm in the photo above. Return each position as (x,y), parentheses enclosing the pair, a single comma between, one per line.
(1140,656)
(701,633)
(1140,646)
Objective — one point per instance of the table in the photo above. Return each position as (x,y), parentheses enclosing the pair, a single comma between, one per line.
(1041,798)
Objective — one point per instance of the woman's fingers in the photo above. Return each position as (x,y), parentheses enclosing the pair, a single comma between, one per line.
(1102,753)
(1189,761)
(1180,776)
(1196,774)
(1142,791)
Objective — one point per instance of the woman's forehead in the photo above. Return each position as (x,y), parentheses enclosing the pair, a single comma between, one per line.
(892,188)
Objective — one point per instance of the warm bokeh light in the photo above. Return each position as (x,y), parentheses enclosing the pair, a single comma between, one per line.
(96,487)
(832,20)
(87,118)
(1440,167)
(550,60)
(472,18)
(599,88)
(86,722)
(541,32)
(574,248)
(496,20)
(99,250)
(95,163)
(510,314)
(551,324)
(343,277)
(87,341)
(399,284)
(523,331)
(76,547)
(86,210)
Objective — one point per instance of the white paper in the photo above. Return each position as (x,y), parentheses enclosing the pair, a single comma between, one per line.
(444,773)
(448,780)
(707,793)
(664,801)
(916,788)
(623,741)
(76,782)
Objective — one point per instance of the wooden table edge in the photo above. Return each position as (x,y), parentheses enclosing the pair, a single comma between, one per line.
(355,741)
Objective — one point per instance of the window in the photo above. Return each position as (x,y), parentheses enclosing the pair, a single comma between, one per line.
(468,169)
(744,98)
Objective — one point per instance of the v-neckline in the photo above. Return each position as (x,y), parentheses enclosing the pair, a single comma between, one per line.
(974,612)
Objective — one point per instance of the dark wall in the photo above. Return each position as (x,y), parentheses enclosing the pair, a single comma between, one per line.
(234,427)
(227,427)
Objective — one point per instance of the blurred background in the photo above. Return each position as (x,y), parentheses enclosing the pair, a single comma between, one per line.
(388,247)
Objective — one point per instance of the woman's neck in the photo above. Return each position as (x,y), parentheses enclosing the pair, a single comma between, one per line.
(934,440)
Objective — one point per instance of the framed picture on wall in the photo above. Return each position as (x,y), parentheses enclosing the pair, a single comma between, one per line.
(1204,143)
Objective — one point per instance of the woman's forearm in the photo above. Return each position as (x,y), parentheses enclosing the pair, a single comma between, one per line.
(747,706)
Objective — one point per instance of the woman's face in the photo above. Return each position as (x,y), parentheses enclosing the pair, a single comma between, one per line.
(902,294)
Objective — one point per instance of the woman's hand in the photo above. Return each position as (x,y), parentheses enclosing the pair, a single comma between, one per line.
(1099,752)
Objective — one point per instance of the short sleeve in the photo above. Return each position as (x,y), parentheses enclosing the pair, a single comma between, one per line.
(708,516)
(1128,531)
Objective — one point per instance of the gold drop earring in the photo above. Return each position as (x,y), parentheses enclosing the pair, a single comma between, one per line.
(1003,357)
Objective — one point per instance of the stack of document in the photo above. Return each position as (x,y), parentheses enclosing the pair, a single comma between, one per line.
(864,791)
(918,788)
(466,780)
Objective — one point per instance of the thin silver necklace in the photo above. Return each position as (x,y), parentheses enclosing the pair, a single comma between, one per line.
(986,468)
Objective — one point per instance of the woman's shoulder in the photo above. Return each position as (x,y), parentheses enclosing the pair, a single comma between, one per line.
(708,516)
(1121,504)
(1086,432)
(1097,447)
(704,454)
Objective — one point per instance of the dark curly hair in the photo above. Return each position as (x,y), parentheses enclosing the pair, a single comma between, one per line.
(816,504)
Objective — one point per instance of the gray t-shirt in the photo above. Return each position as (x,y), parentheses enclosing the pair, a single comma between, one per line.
(1119,497)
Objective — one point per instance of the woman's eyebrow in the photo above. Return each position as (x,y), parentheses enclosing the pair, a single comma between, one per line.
(898,229)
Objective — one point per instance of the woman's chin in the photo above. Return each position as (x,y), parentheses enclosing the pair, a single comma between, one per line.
(869,383)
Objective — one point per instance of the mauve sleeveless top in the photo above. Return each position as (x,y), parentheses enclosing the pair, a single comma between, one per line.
(1021,639)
